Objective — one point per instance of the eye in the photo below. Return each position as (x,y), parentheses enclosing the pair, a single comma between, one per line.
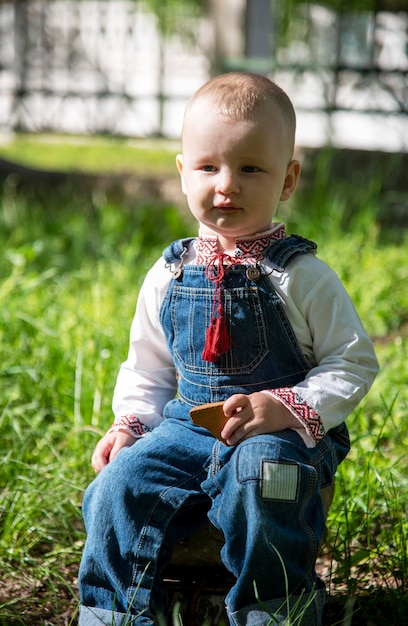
(250,169)
(208,168)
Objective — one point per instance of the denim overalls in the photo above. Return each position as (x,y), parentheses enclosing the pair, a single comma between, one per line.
(264,494)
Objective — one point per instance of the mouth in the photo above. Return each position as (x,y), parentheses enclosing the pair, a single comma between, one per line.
(227,206)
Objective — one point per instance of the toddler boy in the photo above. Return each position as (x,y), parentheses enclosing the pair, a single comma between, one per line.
(246,315)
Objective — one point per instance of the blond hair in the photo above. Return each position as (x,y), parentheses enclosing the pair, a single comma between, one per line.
(243,95)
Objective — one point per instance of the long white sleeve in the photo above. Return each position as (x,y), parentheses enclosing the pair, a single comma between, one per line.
(331,335)
(147,380)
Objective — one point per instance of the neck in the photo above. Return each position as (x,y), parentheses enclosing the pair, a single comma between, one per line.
(226,246)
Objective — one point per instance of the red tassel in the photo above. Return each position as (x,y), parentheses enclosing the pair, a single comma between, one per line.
(217,339)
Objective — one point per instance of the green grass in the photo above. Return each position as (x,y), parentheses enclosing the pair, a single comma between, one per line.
(69,276)
(92,154)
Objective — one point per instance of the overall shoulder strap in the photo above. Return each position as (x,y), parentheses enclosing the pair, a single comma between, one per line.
(281,251)
(175,250)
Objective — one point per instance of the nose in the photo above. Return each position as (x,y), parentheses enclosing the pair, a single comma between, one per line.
(227,182)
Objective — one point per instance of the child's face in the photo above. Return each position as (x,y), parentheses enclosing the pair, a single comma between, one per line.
(234,173)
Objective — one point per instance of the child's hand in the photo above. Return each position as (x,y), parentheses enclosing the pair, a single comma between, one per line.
(108,447)
(255,414)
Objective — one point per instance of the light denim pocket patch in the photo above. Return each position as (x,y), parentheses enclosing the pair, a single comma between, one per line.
(280,481)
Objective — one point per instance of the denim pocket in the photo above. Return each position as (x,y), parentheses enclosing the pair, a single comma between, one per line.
(191,310)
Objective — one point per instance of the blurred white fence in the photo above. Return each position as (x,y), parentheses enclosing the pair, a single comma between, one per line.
(95,66)
(101,66)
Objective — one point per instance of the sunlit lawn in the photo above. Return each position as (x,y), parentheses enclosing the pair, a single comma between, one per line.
(69,277)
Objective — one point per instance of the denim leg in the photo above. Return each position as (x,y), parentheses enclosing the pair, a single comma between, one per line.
(266,500)
(128,511)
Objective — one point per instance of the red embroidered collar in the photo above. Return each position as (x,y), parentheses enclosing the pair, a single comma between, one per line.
(247,249)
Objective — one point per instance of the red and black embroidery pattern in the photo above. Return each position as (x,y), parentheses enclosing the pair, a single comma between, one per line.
(248,249)
(131,423)
(306,414)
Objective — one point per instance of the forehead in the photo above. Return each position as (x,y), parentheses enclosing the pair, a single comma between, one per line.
(205,124)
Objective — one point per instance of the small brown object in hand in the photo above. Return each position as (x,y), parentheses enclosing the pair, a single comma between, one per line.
(210,416)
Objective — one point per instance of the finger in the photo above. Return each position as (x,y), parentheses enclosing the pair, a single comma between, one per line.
(98,462)
(116,448)
(244,431)
(125,441)
(235,403)
(233,425)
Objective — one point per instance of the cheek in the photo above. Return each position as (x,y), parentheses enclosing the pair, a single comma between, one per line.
(198,188)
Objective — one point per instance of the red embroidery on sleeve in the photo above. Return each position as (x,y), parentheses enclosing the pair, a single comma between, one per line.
(131,423)
(306,414)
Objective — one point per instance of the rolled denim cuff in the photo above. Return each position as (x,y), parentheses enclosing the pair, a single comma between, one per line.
(92,616)
(306,608)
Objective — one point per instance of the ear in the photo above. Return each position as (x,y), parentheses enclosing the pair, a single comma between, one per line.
(291,180)
(179,163)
